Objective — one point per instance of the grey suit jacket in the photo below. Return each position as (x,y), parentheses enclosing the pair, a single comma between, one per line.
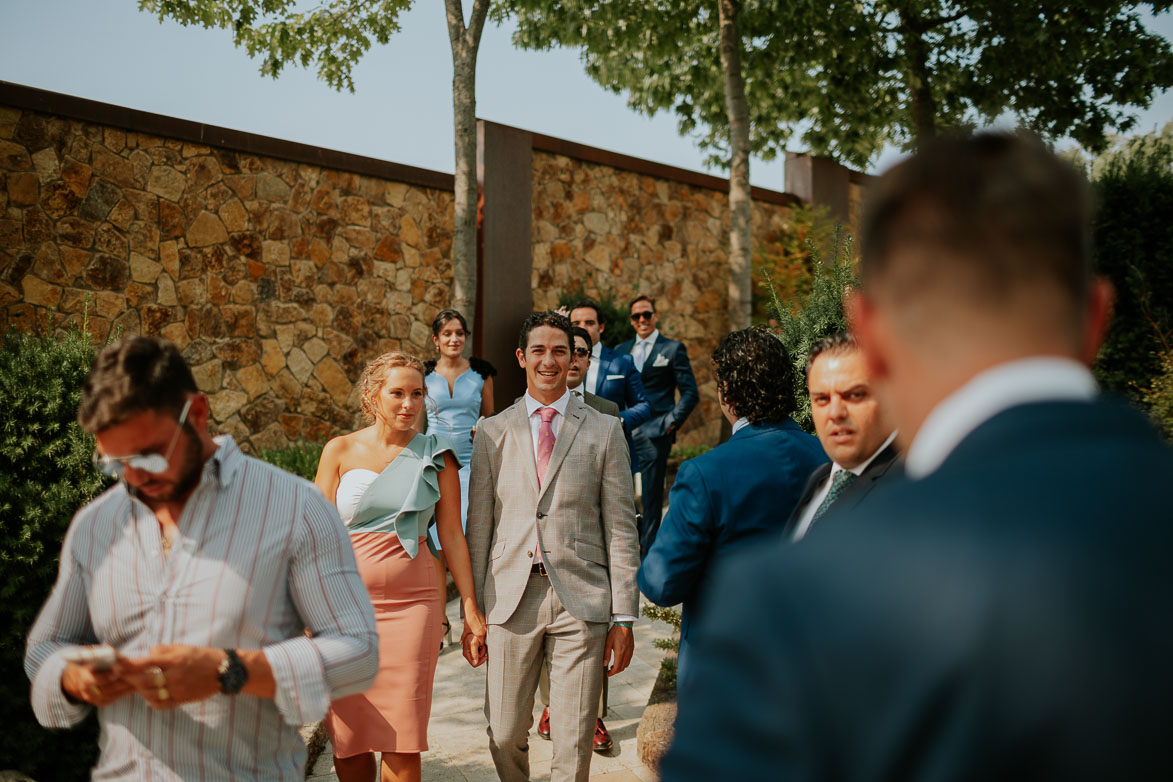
(584,515)
(604,406)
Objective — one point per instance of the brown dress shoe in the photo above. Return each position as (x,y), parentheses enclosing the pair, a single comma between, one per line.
(544,724)
(602,737)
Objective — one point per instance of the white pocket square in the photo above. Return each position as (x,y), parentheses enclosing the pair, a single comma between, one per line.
(614,377)
(661,361)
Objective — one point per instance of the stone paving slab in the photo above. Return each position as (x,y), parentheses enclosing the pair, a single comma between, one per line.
(459,748)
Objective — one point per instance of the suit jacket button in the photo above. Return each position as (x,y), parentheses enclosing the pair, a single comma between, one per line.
(541,515)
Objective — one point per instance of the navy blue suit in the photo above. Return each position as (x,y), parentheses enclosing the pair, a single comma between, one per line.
(1006,617)
(666,370)
(619,381)
(739,494)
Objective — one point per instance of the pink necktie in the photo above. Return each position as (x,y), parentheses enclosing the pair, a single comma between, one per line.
(545,441)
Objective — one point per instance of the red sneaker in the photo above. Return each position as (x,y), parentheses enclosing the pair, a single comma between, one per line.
(544,724)
(602,737)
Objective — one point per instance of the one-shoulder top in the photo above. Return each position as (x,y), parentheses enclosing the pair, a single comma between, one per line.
(400,499)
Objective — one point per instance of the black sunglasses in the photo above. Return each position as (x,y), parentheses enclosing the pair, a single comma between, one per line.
(582,352)
(645,315)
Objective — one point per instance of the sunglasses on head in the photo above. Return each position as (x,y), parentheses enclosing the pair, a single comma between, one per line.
(154,463)
(645,315)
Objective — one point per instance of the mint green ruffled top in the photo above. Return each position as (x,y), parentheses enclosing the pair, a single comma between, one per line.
(402,498)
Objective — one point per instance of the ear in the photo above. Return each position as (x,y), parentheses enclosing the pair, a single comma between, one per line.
(1097,318)
(521,358)
(865,325)
(199,413)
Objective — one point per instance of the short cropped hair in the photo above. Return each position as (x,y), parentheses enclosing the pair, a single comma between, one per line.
(581,333)
(834,344)
(992,214)
(587,304)
(442,318)
(755,375)
(132,376)
(547,318)
(640,298)
(376,373)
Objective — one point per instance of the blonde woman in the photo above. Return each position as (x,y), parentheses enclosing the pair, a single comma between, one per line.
(388,482)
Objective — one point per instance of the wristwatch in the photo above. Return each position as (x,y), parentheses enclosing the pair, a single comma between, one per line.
(231,674)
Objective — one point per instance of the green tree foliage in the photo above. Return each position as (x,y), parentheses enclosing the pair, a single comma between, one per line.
(1159,396)
(783,262)
(1133,243)
(803,321)
(846,78)
(300,458)
(45,476)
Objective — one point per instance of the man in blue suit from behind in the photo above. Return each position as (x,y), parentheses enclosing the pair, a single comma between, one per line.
(612,375)
(1002,612)
(664,369)
(739,494)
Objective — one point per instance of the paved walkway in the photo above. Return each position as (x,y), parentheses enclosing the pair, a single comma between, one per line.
(456,733)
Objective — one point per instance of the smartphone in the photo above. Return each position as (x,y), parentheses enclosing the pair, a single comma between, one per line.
(101,657)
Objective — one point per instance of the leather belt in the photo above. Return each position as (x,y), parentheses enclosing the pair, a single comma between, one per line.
(539,569)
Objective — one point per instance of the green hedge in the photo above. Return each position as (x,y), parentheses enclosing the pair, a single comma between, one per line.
(45,475)
(299,458)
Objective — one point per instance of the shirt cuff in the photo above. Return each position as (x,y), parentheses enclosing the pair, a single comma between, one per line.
(302,696)
(51,707)
(621,618)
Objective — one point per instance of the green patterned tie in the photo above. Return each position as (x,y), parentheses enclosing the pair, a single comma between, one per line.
(843,479)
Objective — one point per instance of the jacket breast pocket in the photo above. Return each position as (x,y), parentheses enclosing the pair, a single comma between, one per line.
(590,552)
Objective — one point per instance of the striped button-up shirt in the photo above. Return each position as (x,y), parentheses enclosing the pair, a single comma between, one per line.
(261,556)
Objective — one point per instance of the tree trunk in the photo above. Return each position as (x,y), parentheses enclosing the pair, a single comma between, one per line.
(924,107)
(740,286)
(465,41)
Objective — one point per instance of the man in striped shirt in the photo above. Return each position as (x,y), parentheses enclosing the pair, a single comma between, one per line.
(200,569)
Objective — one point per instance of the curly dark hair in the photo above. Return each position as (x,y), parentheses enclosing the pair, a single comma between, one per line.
(547,318)
(754,375)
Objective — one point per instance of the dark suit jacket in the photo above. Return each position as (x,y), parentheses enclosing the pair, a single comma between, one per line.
(604,406)
(1007,617)
(879,467)
(619,381)
(722,501)
(674,372)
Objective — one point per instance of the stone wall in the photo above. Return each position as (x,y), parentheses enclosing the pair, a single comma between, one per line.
(277,279)
(625,233)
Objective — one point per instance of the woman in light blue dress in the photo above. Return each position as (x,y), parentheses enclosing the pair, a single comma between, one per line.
(460,392)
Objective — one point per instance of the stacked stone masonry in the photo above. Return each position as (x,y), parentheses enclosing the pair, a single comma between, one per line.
(623,233)
(278,280)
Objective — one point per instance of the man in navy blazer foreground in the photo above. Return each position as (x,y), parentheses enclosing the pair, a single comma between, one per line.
(1003,612)
(612,375)
(664,369)
(740,493)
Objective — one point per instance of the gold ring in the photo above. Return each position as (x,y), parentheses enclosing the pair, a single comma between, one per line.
(163,694)
(160,679)
(95,691)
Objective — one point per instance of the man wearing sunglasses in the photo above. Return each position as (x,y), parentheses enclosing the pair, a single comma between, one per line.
(665,370)
(186,589)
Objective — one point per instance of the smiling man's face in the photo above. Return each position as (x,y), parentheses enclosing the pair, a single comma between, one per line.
(545,360)
(846,413)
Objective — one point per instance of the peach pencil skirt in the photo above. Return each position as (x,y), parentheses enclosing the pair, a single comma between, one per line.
(392,716)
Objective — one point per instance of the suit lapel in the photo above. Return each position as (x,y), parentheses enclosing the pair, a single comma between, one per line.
(525,438)
(571,423)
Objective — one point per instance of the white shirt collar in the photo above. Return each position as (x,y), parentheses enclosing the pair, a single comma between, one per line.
(532,405)
(859,468)
(650,340)
(738,425)
(596,351)
(1038,379)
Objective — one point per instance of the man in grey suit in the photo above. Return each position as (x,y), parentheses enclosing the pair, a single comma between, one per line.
(554,549)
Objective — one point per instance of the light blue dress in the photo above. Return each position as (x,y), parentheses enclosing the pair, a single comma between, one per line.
(453,415)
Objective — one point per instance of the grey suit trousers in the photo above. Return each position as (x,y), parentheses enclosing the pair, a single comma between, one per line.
(540,632)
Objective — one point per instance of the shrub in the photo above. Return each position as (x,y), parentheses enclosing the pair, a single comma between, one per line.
(615,315)
(784,263)
(803,321)
(672,617)
(1159,396)
(299,458)
(45,476)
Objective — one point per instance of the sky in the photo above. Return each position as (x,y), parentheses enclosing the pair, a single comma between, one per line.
(401,110)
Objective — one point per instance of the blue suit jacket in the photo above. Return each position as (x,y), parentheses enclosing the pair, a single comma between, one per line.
(666,370)
(619,381)
(736,495)
(1006,617)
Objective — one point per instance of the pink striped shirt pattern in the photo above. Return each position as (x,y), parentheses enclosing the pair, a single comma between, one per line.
(261,556)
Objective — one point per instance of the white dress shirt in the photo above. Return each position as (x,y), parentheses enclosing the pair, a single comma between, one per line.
(808,513)
(592,378)
(639,346)
(1039,379)
(738,425)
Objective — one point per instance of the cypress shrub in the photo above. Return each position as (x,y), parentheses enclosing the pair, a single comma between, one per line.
(298,458)
(45,476)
